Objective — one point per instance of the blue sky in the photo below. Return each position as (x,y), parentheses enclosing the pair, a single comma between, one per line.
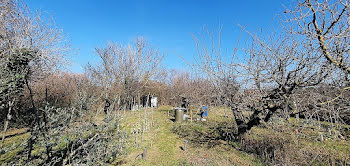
(167,25)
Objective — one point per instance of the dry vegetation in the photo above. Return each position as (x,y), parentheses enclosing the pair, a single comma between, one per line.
(287,102)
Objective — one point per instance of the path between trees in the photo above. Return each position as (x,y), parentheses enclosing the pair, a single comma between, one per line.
(164,147)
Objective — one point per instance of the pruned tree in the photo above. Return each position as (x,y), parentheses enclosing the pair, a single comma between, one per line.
(325,25)
(278,68)
(313,51)
(219,69)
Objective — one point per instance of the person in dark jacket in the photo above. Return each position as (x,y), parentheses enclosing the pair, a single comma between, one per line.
(107,104)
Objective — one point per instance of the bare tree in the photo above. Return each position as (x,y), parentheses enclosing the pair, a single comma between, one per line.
(29,46)
(125,70)
(20,28)
(324,25)
(219,69)
(280,68)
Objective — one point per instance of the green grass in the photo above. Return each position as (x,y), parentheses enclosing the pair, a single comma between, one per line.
(13,146)
(10,155)
(164,145)
(161,143)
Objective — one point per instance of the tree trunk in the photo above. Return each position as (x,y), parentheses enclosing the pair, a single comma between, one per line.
(37,120)
(7,119)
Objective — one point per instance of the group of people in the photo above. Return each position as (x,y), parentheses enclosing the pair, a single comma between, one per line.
(203,110)
(203,114)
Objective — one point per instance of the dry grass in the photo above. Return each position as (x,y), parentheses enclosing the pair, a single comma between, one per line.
(283,144)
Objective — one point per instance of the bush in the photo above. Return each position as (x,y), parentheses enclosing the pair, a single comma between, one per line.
(285,147)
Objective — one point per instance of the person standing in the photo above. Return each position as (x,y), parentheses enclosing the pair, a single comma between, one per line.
(204,112)
(107,105)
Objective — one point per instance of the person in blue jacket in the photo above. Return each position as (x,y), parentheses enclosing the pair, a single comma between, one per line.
(204,112)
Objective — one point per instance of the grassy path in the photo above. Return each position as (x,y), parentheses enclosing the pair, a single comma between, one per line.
(164,148)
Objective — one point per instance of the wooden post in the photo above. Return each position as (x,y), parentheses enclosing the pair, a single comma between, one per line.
(152,113)
(46,95)
(144,154)
(191,114)
(185,144)
(139,101)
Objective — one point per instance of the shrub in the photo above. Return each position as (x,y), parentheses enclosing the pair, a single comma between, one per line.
(285,147)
